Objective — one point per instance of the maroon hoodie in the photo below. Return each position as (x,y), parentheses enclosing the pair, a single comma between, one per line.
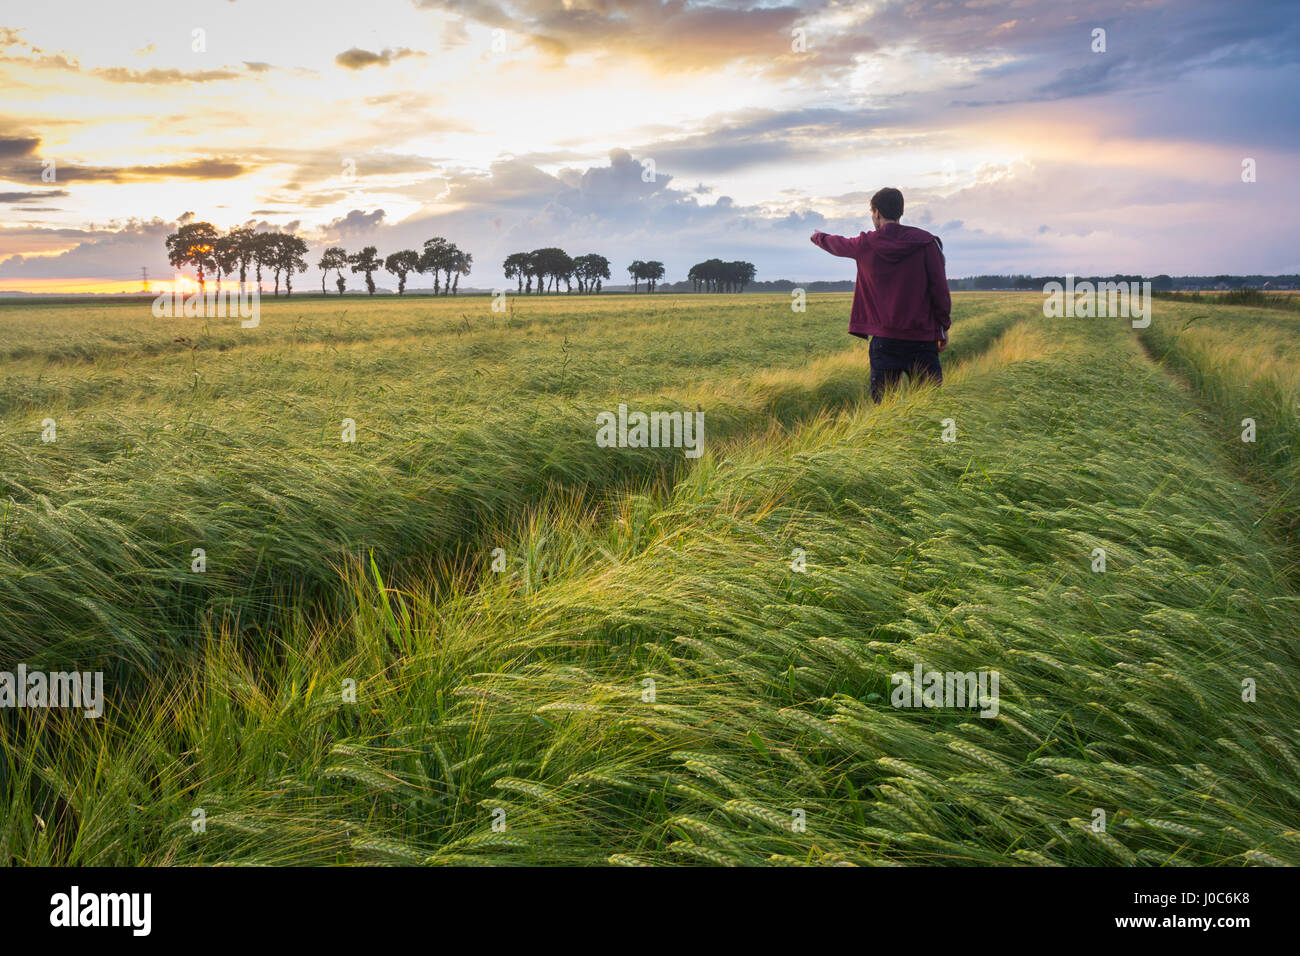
(902,291)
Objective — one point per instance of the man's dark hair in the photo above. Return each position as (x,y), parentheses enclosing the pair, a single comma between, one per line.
(889,203)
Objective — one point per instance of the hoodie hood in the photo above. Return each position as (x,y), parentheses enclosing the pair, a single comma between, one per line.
(894,242)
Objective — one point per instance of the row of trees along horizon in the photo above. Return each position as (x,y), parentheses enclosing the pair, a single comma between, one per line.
(203,247)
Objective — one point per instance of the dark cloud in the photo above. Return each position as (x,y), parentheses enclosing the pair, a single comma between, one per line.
(14,146)
(1051,47)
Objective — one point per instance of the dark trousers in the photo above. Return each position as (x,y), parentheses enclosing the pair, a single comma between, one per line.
(891,359)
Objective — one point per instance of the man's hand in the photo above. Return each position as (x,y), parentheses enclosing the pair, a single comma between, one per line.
(816,233)
(942,343)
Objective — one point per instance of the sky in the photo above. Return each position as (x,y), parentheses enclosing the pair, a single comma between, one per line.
(677,131)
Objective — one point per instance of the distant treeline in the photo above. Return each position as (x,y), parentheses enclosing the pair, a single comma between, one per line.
(204,248)
(551,266)
(1160,283)
(772,285)
(201,246)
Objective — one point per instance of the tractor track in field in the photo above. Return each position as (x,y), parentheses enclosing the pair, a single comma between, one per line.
(1282,516)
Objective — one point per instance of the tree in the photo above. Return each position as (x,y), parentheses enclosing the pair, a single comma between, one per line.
(533,270)
(336,258)
(399,264)
(516,267)
(194,244)
(264,253)
(273,261)
(461,263)
(290,257)
(563,266)
(742,274)
(714,275)
(599,269)
(590,269)
(225,252)
(558,264)
(367,261)
(637,271)
(434,259)
(549,266)
(244,243)
(652,273)
(449,258)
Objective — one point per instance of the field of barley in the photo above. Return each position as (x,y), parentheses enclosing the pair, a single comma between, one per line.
(473,636)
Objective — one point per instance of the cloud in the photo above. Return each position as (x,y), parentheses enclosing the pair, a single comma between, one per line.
(355,224)
(611,209)
(759,137)
(357,59)
(29,196)
(157,77)
(20,162)
(198,169)
(33,56)
(668,32)
(116,252)
(14,146)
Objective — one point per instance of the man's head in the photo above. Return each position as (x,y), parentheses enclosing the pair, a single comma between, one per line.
(886,206)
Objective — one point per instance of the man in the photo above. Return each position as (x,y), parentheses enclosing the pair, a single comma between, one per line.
(901,299)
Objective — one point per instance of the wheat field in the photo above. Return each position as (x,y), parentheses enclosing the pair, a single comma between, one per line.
(475,636)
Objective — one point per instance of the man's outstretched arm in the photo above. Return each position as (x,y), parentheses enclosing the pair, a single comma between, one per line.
(838,245)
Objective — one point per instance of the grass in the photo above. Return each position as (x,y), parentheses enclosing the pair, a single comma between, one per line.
(1244,364)
(1256,298)
(521,697)
(232,444)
